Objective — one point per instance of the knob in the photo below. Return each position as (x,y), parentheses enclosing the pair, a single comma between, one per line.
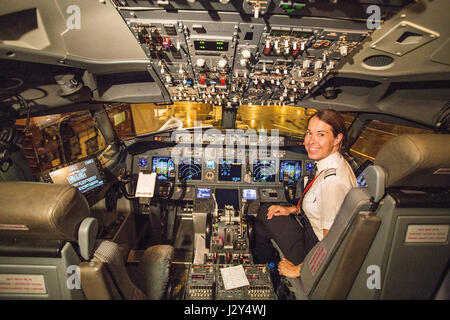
(200,62)
(222,63)
(306,64)
(246,54)
(318,64)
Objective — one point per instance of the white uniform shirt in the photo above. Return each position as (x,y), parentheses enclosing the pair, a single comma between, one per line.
(325,196)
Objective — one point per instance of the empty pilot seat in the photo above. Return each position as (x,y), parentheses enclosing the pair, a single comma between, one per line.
(389,240)
(49,249)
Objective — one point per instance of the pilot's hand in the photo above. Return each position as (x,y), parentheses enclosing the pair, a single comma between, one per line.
(288,269)
(277,210)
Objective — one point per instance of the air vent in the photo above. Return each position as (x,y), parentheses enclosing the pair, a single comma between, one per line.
(379,61)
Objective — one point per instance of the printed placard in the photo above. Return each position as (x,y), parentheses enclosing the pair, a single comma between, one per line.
(317,259)
(421,233)
(22,283)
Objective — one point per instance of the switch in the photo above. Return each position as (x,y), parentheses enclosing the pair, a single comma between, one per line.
(202,80)
(267,48)
(166,42)
(222,80)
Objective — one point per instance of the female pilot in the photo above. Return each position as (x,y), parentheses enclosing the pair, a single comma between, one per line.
(320,202)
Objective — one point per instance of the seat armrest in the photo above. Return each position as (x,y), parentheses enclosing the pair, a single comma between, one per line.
(93,281)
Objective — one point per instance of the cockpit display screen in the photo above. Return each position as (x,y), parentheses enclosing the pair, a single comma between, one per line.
(84,175)
(204,45)
(190,169)
(230,170)
(163,166)
(203,193)
(249,194)
(292,168)
(264,171)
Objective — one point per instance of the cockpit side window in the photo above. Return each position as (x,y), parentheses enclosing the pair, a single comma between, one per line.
(376,135)
(56,139)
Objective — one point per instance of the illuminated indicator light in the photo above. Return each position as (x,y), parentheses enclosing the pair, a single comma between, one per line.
(289,10)
(299,6)
(166,42)
(143,162)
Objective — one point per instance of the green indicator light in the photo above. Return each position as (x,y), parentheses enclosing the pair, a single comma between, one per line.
(299,6)
(290,11)
(285,6)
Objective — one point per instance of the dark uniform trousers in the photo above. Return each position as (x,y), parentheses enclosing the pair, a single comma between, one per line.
(287,232)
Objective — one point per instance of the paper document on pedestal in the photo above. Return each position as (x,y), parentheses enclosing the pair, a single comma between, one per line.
(234,277)
(200,249)
(145,185)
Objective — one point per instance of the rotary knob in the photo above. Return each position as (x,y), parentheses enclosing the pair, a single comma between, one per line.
(222,63)
(200,63)
(246,54)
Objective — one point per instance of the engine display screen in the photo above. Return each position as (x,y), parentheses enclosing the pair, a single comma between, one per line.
(292,168)
(230,170)
(84,175)
(163,166)
(203,45)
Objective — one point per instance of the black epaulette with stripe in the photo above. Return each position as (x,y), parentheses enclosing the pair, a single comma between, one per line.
(329,172)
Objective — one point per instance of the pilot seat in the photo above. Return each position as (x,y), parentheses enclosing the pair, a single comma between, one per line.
(389,240)
(49,250)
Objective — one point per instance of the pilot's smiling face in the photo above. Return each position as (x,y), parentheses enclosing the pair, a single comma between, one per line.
(319,139)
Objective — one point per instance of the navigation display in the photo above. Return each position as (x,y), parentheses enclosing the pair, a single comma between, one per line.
(163,166)
(264,171)
(292,168)
(230,170)
(190,169)
(84,175)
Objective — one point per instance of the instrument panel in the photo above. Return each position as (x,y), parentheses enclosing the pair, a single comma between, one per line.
(224,59)
(256,175)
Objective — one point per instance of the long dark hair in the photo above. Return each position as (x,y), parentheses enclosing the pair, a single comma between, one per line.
(336,121)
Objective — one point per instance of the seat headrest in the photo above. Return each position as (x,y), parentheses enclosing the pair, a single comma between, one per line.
(416,160)
(32,210)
